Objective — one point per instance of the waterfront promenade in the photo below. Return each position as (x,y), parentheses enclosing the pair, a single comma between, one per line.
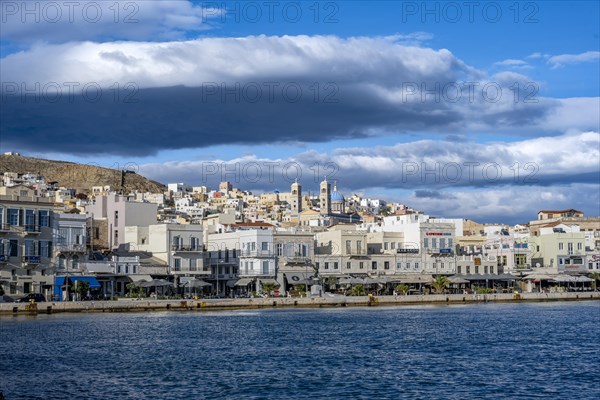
(133,305)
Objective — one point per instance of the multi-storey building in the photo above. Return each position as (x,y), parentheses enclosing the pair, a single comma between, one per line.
(25,242)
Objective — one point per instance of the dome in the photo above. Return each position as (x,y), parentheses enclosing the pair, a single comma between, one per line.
(337,197)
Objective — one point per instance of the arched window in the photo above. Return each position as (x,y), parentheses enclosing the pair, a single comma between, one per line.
(75,262)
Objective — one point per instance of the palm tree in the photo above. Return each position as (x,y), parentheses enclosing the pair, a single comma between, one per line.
(440,283)
(358,290)
(268,288)
(403,289)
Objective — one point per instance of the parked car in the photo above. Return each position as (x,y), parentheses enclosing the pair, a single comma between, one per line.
(37,297)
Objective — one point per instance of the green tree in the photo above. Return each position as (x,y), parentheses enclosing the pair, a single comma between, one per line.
(358,290)
(403,289)
(441,283)
(596,277)
(268,287)
(81,288)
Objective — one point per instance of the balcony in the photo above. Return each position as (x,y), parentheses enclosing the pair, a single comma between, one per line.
(4,227)
(30,228)
(31,260)
(256,253)
(70,248)
(186,249)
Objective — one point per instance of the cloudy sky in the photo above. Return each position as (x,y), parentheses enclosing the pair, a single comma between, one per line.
(485,110)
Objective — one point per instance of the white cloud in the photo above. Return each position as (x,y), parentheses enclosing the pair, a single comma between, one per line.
(564,59)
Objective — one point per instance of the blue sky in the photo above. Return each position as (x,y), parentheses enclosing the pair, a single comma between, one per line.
(370,54)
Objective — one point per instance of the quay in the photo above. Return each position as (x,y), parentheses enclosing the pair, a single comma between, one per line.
(140,305)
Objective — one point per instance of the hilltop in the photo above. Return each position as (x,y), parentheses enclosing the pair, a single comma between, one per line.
(80,176)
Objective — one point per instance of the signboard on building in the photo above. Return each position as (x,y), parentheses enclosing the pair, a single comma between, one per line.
(445,251)
(407,251)
(438,234)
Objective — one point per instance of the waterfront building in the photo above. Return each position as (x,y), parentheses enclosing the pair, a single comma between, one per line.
(121,211)
(26,236)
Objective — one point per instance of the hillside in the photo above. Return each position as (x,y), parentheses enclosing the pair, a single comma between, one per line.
(79,176)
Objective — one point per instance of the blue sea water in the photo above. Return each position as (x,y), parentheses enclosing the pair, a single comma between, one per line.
(480,351)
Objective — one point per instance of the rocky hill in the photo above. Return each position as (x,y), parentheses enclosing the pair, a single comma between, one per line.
(81,176)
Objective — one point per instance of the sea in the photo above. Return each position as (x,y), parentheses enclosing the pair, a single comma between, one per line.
(476,351)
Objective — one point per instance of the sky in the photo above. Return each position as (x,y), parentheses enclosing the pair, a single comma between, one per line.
(480,110)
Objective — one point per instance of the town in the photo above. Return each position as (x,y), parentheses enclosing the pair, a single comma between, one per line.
(226,242)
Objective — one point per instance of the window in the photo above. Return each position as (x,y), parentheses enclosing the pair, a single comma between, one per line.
(398,265)
(13,216)
(468,269)
(361,265)
(386,265)
(374,265)
(426,243)
(416,265)
(491,269)
(476,269)
(393,245)
(177,264)
(458,269)
(570,248)
(326,265)
(30,248)
(442,243)
(485,269)
(358,246)
(348,246)
(45,248)
(126,268)
(450,243)
(265,246)
(348,265)
(579,246)
(385,245)
(265,268)
(13,248)
(192,264)
(335,265)
(560,246)
(442,264)
(116,237)
(279,249)
(434,243)
(1,216)
(29,220)
(75,262)
(408,265)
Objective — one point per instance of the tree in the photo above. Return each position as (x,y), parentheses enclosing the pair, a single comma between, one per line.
(596,277)
(403,289)
(81,288)
(358,290)
(268,287)
(440,283)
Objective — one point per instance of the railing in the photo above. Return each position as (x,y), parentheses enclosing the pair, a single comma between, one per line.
(31,259)
(70,247)
(176,247)
(4,227)
(29,228)
(256,253)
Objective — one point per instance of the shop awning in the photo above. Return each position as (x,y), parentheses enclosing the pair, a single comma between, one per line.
(244,282)
(269,281)
(140,277)
(94,284)
(299,278)
(415,278)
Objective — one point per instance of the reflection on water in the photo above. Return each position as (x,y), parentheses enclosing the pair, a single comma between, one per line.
(543,350)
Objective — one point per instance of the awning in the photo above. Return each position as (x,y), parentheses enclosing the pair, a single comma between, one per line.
(299,278)
(244,282)
(269,281)
(197,283)
(89,279)
(457,280)
(415,278)
(231,283)
(59,282)
(140,277)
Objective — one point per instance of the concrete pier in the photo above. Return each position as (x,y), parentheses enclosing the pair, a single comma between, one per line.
(139,305)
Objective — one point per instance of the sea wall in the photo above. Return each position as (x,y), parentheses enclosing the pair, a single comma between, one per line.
(133,305)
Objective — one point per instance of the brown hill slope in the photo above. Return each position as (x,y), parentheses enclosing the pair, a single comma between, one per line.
(80,176)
